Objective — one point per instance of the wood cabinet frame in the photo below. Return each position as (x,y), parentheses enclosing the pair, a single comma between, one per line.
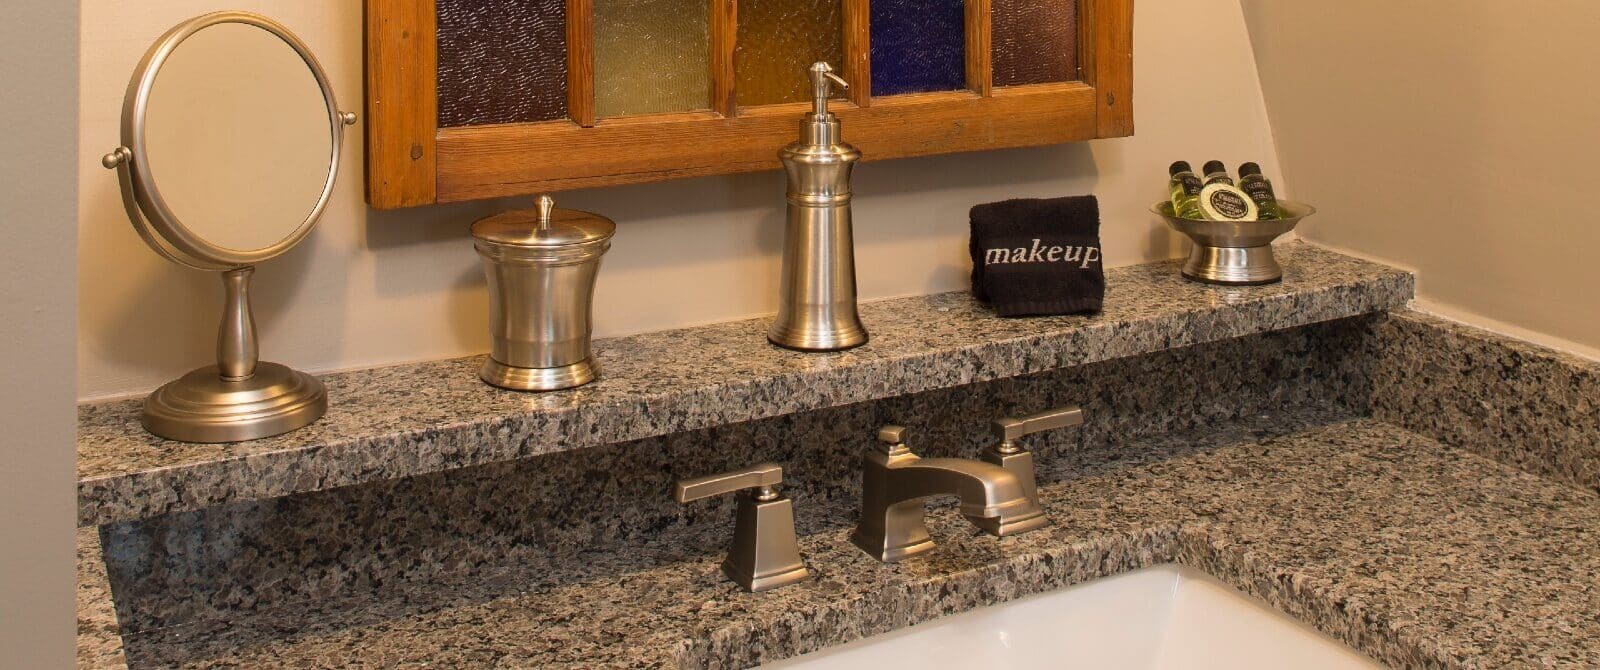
(411,161)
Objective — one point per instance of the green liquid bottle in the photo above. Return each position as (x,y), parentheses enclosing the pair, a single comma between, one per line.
(1217,173)
(1184,190)
(1259,188)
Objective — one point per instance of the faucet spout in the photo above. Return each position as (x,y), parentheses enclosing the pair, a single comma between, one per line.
(986,491)
(896,482)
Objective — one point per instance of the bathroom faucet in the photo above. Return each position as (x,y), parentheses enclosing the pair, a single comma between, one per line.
(895,482)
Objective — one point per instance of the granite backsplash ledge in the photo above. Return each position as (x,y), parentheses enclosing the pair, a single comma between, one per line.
(225,561)
(1515,402)
(410,420)
(1418,554)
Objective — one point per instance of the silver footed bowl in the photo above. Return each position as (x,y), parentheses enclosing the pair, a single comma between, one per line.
(1234,252)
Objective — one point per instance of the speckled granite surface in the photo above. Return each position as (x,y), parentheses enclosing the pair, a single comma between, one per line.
(238,558)
(1526,405)
(1418,554)
(99,636)
(401,421)
(1251,458)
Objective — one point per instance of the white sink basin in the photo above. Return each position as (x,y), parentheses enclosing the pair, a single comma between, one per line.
(1167,616)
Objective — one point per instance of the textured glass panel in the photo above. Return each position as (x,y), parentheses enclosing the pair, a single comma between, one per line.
(778,41)
(651,56)
(502,61)
(918,45)
(1035,41)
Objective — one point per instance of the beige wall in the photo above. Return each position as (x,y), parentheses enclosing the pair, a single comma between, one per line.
(372,288)
(38,72)
(1459,139)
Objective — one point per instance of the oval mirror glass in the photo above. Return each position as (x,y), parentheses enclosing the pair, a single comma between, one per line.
(238,137)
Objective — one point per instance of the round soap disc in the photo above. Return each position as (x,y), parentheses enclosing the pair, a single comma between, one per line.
(1225,202)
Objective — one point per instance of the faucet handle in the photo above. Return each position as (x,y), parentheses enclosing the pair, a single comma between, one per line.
(761,477)
(1009,455)
(1010,429)
(892,440)
(765,552)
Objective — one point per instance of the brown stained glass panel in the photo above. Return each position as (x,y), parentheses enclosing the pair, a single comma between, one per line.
(778,40)
(501,61)
(1035,41)
(651,56)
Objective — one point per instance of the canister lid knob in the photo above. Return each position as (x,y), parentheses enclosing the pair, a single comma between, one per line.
(544,226)
(547,206)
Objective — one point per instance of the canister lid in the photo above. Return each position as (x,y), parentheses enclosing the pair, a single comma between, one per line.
(545,226)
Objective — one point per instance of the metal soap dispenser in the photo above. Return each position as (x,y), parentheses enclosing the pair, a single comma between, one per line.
(817,294)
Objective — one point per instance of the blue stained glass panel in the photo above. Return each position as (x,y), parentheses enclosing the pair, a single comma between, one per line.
(918,46)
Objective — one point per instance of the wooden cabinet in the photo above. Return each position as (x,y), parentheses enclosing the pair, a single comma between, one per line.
(474,99)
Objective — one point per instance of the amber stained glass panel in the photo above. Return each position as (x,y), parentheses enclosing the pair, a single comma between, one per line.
(651,56)
(1035,41)
(501,61)
(778,40)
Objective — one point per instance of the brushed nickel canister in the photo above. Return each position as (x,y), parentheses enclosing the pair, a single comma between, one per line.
(541,265)
(817,290)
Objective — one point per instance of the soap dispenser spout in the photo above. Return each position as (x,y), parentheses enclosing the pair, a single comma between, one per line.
(822,82)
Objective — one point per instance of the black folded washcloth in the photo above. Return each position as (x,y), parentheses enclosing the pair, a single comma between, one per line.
(1038,257)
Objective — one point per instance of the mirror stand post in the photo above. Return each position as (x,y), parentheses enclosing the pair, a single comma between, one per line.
(240,398)
(237,349)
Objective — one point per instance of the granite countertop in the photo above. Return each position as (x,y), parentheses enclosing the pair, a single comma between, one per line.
(407,420)
(1418,554)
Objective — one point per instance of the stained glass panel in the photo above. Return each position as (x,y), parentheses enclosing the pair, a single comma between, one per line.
(651,56)
(918,45)
(1035,41)
(501,62)
(778,40)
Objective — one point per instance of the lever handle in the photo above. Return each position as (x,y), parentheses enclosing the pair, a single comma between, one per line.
(765,552)
(1011,429)
(762,477)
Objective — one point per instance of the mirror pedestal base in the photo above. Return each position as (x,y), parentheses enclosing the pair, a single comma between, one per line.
(204,407)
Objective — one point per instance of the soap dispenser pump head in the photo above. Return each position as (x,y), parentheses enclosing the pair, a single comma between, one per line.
(822,82)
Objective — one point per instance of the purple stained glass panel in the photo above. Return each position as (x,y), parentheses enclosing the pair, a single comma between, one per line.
(918,46)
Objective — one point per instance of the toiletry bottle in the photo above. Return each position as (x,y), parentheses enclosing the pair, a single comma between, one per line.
(1251,181)
(1185,191)
(1217,173)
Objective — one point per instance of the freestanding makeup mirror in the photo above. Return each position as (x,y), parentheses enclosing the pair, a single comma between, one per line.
(231,140)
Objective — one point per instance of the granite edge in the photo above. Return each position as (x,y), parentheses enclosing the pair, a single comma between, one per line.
(99,634)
